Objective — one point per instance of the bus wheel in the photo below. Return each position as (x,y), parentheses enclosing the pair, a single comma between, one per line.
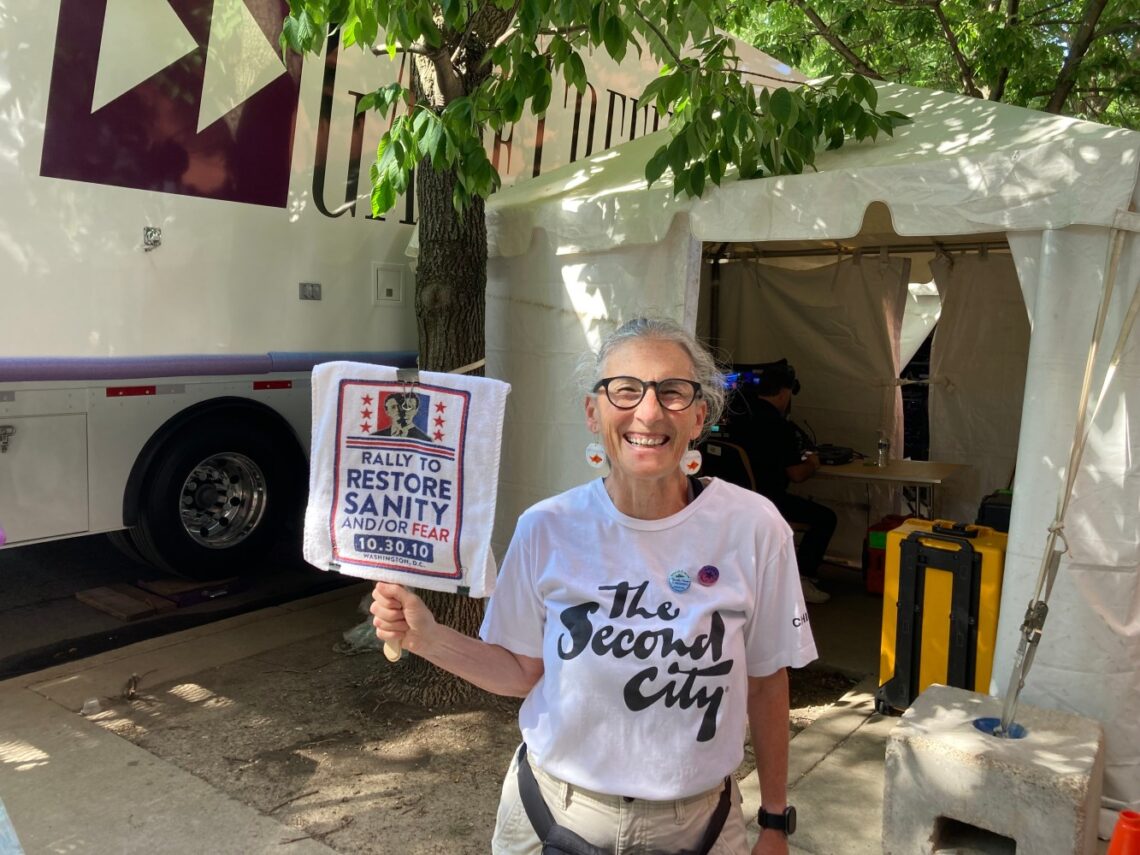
(122,541)
(219,497)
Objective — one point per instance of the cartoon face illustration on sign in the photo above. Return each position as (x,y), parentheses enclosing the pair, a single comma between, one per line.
(402,408)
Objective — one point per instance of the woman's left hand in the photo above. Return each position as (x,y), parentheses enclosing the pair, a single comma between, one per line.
(771,842)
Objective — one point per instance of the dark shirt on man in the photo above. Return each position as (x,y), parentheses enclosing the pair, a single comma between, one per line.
(772,446)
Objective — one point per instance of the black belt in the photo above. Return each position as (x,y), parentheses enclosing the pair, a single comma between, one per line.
(557,840)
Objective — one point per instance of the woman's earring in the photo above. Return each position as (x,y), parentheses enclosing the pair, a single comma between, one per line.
(691,462)
(596,455)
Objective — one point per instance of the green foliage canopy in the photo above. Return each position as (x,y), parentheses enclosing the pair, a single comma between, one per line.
(480,65)
(1077,57)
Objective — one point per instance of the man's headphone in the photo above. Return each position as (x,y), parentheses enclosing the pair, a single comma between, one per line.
(768,378)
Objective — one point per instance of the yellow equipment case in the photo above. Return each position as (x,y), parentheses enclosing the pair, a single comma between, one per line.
(941,592)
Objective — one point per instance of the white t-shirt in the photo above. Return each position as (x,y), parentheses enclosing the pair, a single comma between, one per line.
(645,685)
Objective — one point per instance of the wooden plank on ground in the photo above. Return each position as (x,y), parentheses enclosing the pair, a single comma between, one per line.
(187,592)
(126,602)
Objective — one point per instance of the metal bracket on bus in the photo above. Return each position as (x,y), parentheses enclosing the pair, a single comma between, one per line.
(6,432)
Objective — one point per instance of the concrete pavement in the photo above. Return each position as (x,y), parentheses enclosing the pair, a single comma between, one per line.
(69,785)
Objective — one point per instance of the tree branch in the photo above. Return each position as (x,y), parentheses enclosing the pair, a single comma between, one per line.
(743,71)
(657,32)
(1003,75)
(455,54)
(1115,29)
(448,83)
(416,50)
(952,40)
(1077,49)
(1045,10)
(829,36)
(564,31)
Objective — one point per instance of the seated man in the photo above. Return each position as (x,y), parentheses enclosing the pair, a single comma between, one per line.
(777,459)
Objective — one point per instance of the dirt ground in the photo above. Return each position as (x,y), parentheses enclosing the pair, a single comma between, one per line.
(300,734)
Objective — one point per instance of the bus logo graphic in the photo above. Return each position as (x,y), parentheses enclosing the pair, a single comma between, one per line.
(178,96)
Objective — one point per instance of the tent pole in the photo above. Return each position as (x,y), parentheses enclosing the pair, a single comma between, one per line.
(756,250)
(714,299)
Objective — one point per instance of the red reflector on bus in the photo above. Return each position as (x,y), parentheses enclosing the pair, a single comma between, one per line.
(129,391)
(272,384)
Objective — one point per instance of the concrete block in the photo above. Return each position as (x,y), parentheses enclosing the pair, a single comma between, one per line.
(949,787)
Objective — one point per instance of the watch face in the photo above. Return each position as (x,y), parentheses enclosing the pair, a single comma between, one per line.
(784,821)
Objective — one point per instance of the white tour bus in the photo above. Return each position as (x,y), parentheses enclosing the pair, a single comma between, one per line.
(184,233)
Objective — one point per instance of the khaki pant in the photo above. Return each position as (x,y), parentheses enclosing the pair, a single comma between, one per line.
(633,827)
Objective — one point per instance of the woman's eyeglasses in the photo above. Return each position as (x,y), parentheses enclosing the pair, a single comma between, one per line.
(673,394)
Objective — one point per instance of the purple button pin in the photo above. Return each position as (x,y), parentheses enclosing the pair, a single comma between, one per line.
(708,575)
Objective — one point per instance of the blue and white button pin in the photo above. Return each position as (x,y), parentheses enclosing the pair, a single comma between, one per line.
(679,581)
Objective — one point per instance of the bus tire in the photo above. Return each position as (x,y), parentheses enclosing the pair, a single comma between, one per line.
(220,494)
(122,541)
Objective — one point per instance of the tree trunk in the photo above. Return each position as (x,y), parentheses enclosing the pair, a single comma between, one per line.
(451,278)
(451,281)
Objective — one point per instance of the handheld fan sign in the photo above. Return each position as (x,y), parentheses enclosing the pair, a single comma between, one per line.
(403,476)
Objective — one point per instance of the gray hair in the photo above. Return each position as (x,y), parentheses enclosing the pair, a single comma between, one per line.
(661,329)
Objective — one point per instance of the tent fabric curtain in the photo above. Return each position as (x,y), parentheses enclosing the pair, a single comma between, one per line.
(1088,661)
(545,314)
(840,326)
(977,376)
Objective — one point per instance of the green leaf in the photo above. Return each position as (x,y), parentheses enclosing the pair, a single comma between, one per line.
(596,21)
(748,164)
(652,90)
(300,32)
(577,77)
(540,100)
(673,88)
(864,90)
(657,165)
(678,154)
(383,197)
(614,37)
(459,199)
(369,29)
(716,168)
(768,158)
(426,24)
(697,179)
(382,99)
(431,139)
(352,34)
(782,107)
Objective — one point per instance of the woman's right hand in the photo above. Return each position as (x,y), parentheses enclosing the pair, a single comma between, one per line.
(400,616)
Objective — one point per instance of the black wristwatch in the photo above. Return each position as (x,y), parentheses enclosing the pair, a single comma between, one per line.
(785,821)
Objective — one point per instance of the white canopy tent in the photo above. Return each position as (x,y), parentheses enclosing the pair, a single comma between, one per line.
(577,251)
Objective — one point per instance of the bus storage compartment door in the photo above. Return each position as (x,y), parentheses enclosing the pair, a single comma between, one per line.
(43,476)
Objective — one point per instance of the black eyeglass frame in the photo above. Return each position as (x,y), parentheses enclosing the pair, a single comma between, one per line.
(646,385)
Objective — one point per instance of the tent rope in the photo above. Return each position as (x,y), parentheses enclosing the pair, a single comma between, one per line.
(1038,609)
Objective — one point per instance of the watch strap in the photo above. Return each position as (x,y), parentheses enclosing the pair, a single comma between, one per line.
(784,821)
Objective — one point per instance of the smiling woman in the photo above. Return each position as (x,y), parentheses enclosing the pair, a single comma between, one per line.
(646,614)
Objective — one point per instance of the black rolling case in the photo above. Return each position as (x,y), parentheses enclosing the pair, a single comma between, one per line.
(940,609)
